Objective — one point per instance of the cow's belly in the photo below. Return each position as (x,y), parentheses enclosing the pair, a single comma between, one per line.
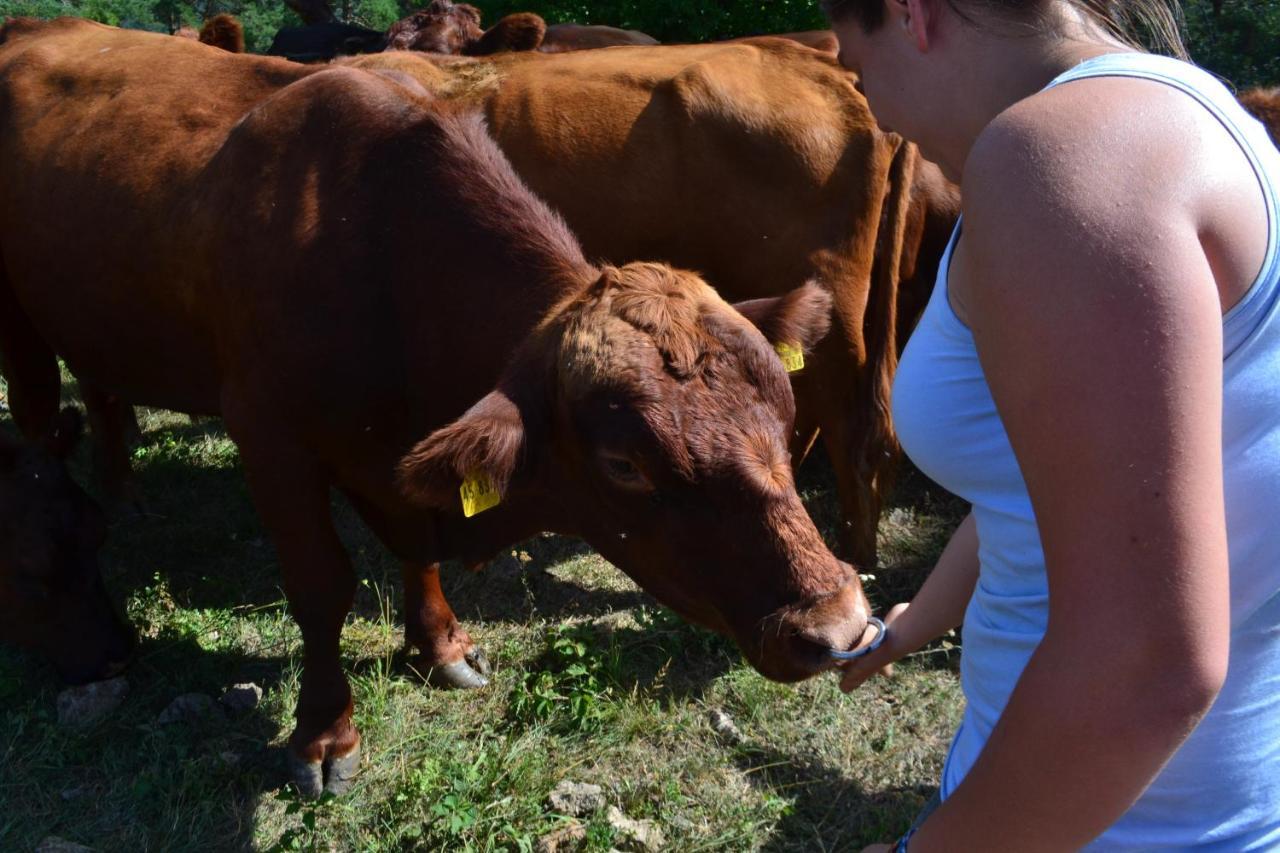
(119,323)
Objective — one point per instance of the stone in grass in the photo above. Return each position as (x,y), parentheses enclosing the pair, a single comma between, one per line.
(240,698)
(54,844)
(187,708)
(725,727)
(576,799)
(639,835)
(85,705)
(566,839)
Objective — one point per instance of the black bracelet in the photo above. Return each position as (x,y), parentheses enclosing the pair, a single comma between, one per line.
(901,846)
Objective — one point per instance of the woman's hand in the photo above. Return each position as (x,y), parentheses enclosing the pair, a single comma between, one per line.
(897,645)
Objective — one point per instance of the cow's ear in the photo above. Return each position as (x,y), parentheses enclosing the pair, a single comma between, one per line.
(799,318)
(470,11)
(522,31)
(63,434)
(484,444)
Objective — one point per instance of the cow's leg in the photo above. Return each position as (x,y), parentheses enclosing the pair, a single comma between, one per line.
(860,448)
(446,654)
(29,366)
(291,493)
(111,422)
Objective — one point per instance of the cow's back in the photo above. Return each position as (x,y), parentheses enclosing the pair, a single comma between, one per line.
(768,141)
(105,138)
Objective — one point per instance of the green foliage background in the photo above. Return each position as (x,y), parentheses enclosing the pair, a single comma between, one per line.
(1241,42)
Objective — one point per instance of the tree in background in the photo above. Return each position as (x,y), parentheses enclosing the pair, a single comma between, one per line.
(1237,39)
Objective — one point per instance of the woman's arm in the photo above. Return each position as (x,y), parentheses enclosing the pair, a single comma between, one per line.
(1099,327)
(937,608)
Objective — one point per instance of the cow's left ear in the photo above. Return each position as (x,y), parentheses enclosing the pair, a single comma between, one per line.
(484,445)
(799,318)
(522,31)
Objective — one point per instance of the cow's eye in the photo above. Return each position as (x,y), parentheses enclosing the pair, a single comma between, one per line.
(624,472)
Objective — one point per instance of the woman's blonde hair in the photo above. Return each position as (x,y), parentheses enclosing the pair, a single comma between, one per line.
(1142,24)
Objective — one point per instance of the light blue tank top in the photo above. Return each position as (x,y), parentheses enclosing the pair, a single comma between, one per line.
(1221,791)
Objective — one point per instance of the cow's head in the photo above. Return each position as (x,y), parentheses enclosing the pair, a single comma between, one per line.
(454,29)
(652,418)
(52,599)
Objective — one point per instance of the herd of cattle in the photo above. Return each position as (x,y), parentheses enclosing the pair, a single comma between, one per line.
(485,252)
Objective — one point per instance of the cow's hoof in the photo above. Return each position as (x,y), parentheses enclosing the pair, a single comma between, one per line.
(332,776)
(457,676)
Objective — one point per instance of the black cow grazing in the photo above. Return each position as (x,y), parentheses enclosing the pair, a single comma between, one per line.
(323,42)
(52,600)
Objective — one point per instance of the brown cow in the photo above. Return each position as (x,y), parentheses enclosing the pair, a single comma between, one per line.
(821,40)
(756,164)
(52,599)
(934,209)
(223,31)
(562,38)
(321,229)
(448,28)
(1264,105)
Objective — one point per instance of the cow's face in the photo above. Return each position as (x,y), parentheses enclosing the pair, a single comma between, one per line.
(652,418)
(442,27)
(52,599)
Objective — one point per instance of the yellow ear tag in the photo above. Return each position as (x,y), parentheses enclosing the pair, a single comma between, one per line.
(478,494)
(792,357)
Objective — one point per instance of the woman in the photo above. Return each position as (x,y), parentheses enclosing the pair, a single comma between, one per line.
(1098,372)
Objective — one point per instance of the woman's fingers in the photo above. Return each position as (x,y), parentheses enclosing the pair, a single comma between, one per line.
(881,660)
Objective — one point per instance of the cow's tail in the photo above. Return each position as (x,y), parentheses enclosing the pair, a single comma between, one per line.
(879,324)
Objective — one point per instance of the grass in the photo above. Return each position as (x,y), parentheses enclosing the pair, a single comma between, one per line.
(593,682)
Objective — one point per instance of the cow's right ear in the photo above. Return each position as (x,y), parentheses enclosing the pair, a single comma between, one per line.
(800,318)
(486,442)
(523,31)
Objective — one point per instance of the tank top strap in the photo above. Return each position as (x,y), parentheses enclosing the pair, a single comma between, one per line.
(1263,296)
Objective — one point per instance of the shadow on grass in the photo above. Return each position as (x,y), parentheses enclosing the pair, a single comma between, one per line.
(129,781)
(829,811)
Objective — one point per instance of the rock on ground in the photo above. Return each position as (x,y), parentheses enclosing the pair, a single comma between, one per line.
(576,799)
(566,839)
(241,697)
(82,706)
(641,835)
(187,708)
(725,727)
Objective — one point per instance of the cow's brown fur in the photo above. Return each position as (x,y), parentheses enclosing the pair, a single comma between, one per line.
(453,29)
(269,232)
(223,31)
(1264,104)
(820,40)
(757,164)
(562,38)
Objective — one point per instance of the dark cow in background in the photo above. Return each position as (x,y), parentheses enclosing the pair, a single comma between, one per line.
(562,38)
(448,28)
(249,263)
(52,600)
(325,41)
(756,163)
(1264,105)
